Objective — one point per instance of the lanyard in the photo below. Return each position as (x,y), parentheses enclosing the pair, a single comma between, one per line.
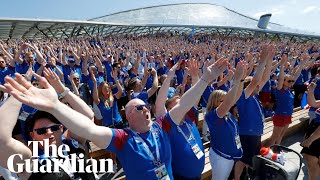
(185,137)
(156,162)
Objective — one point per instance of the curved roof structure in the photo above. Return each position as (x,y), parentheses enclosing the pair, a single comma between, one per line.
(185,17)
(191,14)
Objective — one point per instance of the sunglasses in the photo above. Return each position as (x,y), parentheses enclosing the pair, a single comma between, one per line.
(53,128)
(290,81)
(76,78)
(140,107)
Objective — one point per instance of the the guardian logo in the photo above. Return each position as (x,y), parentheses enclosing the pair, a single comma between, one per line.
(55,159)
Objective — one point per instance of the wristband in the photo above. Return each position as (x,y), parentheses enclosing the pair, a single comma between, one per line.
(62,95)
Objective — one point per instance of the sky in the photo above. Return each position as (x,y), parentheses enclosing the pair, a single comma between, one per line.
(298,14)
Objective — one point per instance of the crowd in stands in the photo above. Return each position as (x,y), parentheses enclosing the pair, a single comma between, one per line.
(139,97)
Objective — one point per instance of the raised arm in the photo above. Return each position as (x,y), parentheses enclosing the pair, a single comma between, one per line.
(230,98)
(154,87)
(303,61)
(163,93)
(194,93)
(9,114)
(311,99)
(267,70)
(119,87)
(283,62)
(258,73)
(47,100)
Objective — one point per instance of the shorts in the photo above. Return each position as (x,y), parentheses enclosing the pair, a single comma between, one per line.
(251,146)
(314,148)
(265,97)
(281,120)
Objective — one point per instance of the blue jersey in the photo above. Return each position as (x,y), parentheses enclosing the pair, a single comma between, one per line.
(250,115)
(133,156)
(110,115)
(223,132)
(7,71)
(180,74)
(284,102)
(267,87)
(23,68)
(87,80)
(67,71)
(184,161)
(205,96)
(143,95)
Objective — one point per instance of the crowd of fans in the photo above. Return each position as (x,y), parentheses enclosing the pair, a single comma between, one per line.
(139,97)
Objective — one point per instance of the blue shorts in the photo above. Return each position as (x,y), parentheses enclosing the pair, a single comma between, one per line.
(251,146)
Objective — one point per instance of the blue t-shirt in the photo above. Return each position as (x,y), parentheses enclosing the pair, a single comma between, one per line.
(87,80)
(7,71)
(149,82)
(23,68)
(250,115)
(267,87)
(284,102)
(180,74)
(136,162)
(205,96)
(143,95)
(108,69)
(67,71)
(110,115)
(223,132)
(162,71)
(184,161)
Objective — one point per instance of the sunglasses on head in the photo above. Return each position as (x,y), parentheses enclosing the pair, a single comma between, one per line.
(290,81)
(141,106)
(53,128)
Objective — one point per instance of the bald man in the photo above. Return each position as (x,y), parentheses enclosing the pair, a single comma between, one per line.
(144,148)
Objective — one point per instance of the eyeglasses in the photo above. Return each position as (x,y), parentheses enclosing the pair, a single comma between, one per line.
(141,106)
(76,78)
(53,128)
(290,81)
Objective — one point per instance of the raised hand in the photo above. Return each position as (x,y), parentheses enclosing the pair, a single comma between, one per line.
(240,70)
(43,99)
(172,71)
(54,80)
(213,71)
(193,68)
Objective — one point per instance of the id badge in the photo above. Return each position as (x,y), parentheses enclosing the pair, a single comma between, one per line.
(238,142)
(23,116)
(197,151)
(162,173)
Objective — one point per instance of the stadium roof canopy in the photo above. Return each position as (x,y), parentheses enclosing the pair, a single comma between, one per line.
(184,17)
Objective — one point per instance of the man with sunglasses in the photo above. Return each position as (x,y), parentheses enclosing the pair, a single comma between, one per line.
(145,143)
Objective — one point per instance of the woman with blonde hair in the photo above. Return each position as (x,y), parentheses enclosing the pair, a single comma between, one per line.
(107,102)
(224,130)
